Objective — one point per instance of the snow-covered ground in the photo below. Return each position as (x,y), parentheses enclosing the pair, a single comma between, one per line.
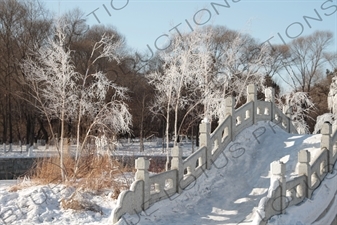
(41,205)
(226,194)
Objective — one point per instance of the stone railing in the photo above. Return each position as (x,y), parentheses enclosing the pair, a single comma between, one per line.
(147,189)
(311,172)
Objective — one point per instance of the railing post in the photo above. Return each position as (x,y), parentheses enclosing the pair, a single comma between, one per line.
(270,97)
(305,168)
(30,151)
(287,111)
(177,163)
(142,166)
(251,97)
(326,142)
(229,110)
(278,170)
(205,140)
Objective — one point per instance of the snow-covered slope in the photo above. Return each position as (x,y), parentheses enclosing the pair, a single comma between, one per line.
(226,194)
(229,192)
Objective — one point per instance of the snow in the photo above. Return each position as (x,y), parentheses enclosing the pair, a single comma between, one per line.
(6,183)
(41,205)
(274,183)
(320,120)
(229,193)
(303,214)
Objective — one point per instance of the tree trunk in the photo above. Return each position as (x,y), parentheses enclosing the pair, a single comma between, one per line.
(31,132)
(4,127)
(167,135)
(167,127)
(78,131)
(197,137)
(61,142)
(28,128)
(44,131)
(176,124)
(141,133)
(10,124)
(192,137)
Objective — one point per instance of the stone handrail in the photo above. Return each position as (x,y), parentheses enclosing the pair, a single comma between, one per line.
(127,198)
(221,137)
(296,190)
(193,167)
(333,146)
(244,117)
(162,186)
(311,172)
(318,168)
(184,172)
(264,110)
(283,121)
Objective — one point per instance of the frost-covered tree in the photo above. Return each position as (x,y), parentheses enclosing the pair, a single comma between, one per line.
(297,106)
(178,82)
(332,97)
(111,114)
(52,78)
(326,117)
(332,104)
(202,68)
(238,60)
(61,92)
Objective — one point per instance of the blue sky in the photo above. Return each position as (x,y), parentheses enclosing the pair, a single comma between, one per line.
(142,22)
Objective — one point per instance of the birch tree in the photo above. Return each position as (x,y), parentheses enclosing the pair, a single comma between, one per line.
(64,93)
(297,106)
(52,77)
(93,89)
(185,64)
(237,60)
(202,68)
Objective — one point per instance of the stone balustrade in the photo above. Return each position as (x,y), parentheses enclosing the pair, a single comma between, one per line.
(311,172)
(147,189)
